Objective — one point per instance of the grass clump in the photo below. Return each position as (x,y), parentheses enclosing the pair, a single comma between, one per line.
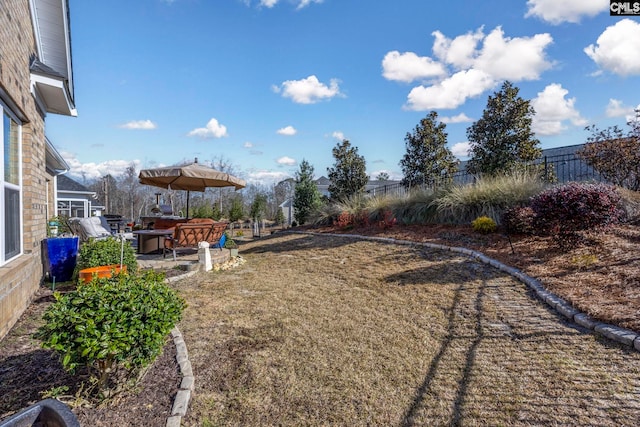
(489,196)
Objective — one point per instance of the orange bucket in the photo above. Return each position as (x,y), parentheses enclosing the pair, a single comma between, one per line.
(87,274)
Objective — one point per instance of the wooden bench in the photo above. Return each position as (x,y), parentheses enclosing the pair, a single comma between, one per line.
(187,235)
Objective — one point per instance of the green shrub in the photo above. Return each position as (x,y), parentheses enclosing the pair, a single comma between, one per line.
(112,323)
(484,225)
(96,253)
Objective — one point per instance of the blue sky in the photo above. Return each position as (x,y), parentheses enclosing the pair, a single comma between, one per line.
(265,84)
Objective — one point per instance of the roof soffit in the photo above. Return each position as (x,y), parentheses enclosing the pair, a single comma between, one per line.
(53,37)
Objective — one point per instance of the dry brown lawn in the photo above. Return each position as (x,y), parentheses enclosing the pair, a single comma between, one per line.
(317,330)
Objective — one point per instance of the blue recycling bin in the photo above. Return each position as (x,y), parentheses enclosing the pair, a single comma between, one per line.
(61,255)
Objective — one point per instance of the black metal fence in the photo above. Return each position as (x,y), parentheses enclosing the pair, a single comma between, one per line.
(561,168)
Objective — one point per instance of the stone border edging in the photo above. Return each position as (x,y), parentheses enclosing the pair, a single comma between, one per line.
(615,333)
(181,401)
(181,276)
(187,384)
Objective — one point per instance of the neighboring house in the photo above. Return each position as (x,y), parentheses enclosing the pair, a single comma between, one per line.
(36,78)
(55,166)
(74,199)
(287,211)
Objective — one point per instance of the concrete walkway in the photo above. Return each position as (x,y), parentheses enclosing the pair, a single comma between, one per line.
(184,258)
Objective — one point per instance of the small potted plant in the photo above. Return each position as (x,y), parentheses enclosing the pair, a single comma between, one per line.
(230,244)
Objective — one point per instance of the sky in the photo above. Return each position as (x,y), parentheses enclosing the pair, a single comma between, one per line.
(265,84)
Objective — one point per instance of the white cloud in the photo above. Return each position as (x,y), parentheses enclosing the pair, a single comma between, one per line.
(552,109)
(247,145)
(459,118)
(139,124)
(286,161)
(504,58)
(450,93)
(482,61)
(616,108)
(287,131)
(305,3)
(515,59)
(212,130)
(407,67)
(461,149)
(267,176)
(271,3)
(459,52)
(556,12)
(338,135)
(309,90)
(617,48)
(80,171)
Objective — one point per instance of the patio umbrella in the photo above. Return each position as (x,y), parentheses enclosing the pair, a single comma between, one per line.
(191,177)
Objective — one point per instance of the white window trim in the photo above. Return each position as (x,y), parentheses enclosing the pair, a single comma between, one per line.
(4,109)
(87,204)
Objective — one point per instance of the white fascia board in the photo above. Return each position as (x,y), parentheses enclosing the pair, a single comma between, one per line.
(55,164)
(72,193)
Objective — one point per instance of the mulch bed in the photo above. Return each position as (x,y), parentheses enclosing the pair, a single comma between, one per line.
(28,373)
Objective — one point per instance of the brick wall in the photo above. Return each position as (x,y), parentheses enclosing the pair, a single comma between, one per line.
(19,279)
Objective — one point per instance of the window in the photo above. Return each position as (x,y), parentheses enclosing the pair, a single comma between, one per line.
(10,188)
(74,207)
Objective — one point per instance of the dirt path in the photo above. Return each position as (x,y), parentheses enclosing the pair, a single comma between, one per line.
(325,330)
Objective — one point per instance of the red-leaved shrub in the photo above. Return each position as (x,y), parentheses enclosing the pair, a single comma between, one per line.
(519,220)
(387,221)
(344,220)
(565,210)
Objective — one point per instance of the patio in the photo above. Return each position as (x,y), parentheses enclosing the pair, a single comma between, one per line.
(186,258)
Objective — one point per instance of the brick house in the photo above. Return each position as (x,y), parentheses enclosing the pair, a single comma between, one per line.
(35,79)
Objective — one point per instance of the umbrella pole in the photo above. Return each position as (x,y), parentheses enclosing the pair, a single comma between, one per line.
(187,213)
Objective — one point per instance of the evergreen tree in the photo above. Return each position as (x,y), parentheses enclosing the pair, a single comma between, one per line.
(428,160)
(259,206)
(502,140)
(349,173)
(236,212)
(306,197)
(279,217)
(215,212)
